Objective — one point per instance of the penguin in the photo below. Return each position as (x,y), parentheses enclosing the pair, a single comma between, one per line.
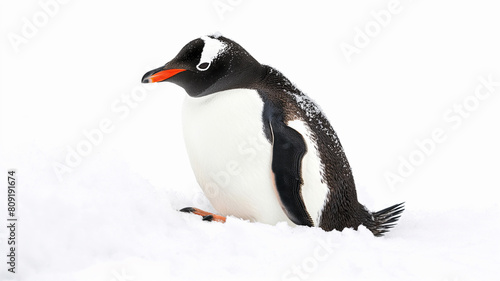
(261,149)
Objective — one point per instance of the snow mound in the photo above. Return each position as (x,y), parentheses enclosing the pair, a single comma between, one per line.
(106,223)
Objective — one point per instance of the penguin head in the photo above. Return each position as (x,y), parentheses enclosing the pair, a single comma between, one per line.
(207,65)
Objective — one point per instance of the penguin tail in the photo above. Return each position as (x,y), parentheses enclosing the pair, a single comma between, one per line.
(382,221)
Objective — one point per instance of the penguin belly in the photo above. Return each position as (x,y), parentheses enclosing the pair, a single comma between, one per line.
(230,154)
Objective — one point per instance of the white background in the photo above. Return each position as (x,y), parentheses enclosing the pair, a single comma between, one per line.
(112,215)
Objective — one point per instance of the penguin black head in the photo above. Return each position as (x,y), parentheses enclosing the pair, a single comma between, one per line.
(207,65)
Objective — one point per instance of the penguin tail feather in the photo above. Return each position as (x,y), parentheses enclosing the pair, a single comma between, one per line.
(382,221)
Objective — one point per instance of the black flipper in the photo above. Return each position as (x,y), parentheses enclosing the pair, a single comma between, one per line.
(288,150)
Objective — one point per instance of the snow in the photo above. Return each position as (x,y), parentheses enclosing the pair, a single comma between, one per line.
(113,215)
(216,35)
(106,223)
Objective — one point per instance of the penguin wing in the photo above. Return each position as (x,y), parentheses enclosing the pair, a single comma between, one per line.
(289,148)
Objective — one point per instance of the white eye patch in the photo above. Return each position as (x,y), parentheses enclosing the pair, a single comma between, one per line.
(202,66)
(211,50)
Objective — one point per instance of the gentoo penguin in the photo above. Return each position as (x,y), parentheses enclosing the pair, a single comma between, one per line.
(260,148)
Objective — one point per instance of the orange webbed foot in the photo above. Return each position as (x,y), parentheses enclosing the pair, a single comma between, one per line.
(207,216)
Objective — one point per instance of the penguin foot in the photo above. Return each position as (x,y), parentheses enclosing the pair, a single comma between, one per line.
(206,215)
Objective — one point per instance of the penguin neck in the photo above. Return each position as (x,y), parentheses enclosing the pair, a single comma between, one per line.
(277,81)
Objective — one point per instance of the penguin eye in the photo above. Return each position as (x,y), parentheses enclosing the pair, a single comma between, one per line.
(202,66)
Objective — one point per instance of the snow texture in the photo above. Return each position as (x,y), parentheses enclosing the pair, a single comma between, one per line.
(107,223)
(216,34)
(70,94)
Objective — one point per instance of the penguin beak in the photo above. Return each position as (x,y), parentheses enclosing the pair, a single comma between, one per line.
(159,74)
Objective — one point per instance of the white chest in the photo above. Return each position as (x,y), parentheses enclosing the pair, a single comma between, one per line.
(230,155)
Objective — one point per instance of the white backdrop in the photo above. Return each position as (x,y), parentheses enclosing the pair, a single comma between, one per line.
(411,87)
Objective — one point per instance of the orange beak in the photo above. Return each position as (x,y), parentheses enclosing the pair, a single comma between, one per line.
(160,74)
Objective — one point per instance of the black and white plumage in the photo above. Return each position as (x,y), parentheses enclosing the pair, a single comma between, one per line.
(260,148)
